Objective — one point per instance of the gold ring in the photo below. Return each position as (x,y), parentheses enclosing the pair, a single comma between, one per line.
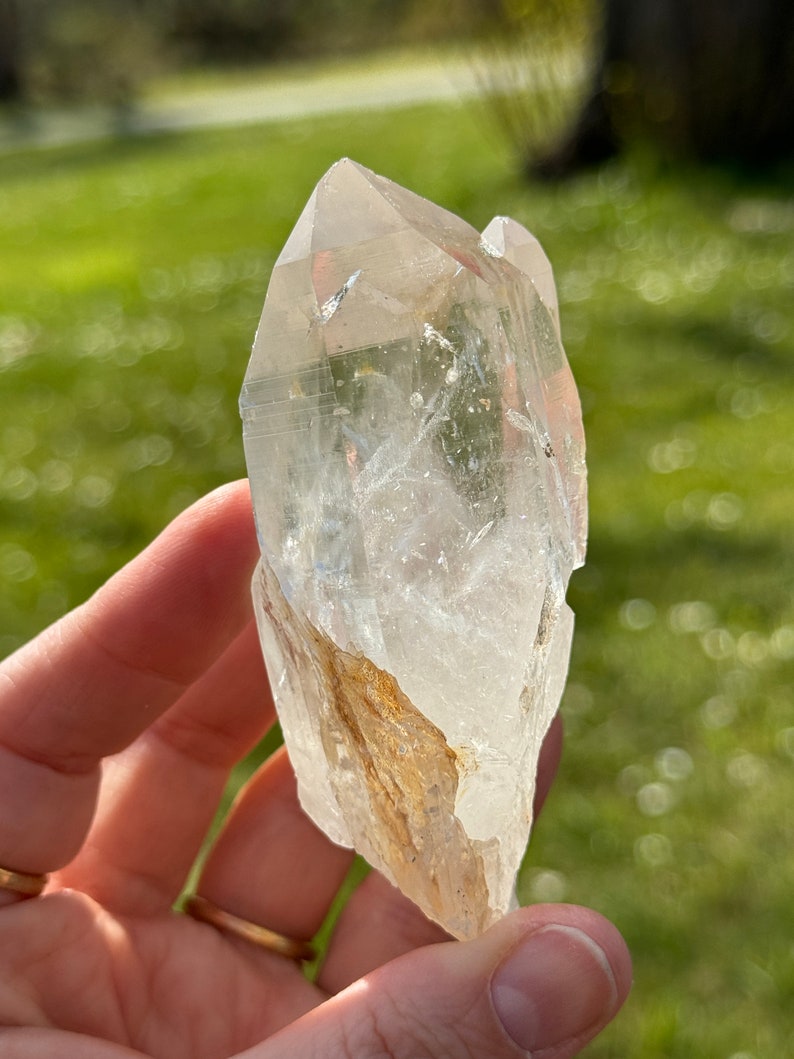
(22,883)
(206,912)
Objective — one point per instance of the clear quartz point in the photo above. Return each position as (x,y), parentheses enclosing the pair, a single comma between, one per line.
(414,443)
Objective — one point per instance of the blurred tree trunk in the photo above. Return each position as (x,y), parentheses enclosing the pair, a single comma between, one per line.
(706,79)
(10,52)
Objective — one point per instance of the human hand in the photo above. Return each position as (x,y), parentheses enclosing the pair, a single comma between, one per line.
(118,729)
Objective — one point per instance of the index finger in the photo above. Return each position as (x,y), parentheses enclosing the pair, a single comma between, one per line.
(88,685)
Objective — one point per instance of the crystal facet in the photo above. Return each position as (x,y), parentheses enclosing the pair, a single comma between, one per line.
(415,448)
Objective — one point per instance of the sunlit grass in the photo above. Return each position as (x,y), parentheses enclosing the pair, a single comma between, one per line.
(131,281)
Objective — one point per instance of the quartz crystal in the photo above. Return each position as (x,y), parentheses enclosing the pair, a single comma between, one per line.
(415,449)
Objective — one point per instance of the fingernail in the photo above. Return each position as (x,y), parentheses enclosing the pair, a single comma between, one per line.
(553,987)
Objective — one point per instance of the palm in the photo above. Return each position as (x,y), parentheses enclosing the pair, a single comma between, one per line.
(157,985)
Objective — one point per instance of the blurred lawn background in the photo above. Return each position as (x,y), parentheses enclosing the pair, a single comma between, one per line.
(132,276)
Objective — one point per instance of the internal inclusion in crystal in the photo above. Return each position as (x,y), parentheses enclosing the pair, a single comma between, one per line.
(415,449)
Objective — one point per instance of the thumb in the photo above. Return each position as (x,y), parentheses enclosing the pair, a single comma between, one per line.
(543,981)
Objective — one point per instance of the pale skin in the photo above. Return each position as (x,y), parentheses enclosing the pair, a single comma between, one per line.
(118,729)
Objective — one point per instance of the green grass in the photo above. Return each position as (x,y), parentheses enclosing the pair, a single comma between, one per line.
(131,281)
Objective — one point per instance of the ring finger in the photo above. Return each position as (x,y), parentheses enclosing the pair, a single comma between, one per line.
(271,865)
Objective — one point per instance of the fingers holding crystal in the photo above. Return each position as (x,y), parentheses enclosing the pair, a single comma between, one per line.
(90,684)
(272,866)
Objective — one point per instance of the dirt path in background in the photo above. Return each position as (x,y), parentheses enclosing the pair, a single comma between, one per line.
(375,86)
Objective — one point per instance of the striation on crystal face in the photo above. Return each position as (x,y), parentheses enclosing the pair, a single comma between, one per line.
(414,442)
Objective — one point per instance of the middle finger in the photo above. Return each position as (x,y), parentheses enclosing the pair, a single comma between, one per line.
(159,796)
(271,865)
